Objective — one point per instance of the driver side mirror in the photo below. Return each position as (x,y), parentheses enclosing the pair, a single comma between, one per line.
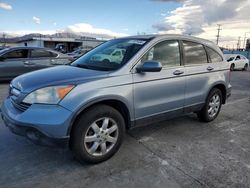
(149,66)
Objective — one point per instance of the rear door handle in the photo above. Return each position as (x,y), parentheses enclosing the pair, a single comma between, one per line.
(210,68)
(178,72)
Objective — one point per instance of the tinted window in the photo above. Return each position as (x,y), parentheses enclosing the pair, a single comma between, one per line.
(167,53)
(53,54)
(101,57)
(214,56)
(16,54)
(194,53)
(40,53)
(237,58)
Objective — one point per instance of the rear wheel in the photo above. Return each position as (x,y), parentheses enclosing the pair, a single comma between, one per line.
(212,107)
(245,67)
(232,67)
(98,134)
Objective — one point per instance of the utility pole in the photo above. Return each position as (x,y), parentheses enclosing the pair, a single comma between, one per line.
(218,35)
(238,44)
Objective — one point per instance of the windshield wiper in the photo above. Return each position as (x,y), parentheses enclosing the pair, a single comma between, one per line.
(83,66)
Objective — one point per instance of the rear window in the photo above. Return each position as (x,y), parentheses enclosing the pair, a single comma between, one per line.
(194,53)
(214,56)
(40,53)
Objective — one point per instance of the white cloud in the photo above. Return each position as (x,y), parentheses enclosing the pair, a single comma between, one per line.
(80,29)
(200,18)
(5,6)
(36,20)
(84,28)
(25,32)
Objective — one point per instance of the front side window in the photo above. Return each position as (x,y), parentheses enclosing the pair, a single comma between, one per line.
(111,55)
(214,56)
(166,52)
(16,54)
(237,58)
(194,53)
(40,53)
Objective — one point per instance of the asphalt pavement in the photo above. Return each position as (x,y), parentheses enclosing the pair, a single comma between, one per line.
(182,152)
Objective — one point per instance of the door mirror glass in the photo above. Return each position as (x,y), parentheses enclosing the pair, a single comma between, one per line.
(149,66)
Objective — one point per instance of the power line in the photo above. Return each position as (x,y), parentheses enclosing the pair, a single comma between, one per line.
(218,35)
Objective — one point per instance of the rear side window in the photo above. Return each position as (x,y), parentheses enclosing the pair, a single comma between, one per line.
(194,53)
(214,56)
(40,53)
(166,52)
(16,54)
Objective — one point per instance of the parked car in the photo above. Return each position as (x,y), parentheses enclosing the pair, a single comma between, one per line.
(19,60)
(110,55)
(77,53)
(89,104)
(237,61)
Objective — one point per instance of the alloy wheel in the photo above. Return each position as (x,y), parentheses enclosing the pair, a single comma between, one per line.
(101,136)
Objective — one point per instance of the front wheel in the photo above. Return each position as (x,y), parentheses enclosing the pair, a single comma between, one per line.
(212,106)
(98,134)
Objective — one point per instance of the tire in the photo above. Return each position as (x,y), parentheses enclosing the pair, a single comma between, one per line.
(232,67)
(98,134)
(212,106)
(245,67)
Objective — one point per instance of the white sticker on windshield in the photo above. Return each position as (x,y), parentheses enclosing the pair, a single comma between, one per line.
(140,42)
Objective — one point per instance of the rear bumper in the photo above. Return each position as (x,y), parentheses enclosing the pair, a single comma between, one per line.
(43,126)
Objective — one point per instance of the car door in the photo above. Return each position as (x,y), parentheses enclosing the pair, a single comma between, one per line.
(238,62)
(160,93)
(244,61)
(39,59)
(12,63)
(199,72)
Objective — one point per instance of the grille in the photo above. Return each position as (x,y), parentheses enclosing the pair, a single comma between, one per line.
(20,106)
(14,94)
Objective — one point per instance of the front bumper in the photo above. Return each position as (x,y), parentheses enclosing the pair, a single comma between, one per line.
(42,124)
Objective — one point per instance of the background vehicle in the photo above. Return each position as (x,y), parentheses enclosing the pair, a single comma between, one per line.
(110,55)
(91,104)
(237,61)
(77,53)
(19,60)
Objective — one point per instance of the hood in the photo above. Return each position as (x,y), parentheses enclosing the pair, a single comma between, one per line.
(55,76)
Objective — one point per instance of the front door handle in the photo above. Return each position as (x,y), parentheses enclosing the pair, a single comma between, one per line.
(178,72)
(210,68)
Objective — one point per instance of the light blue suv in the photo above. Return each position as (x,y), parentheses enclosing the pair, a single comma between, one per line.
(89,104)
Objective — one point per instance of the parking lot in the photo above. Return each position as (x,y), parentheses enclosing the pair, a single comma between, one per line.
(178,153)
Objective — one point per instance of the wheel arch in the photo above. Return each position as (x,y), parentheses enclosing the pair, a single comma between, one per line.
(117,104)
(222,88)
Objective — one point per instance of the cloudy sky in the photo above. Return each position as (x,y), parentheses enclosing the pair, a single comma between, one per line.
(112,18)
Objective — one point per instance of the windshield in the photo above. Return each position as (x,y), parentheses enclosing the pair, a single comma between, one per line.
(230,59)
(111,55)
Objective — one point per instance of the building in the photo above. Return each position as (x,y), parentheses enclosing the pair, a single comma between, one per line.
(68,40)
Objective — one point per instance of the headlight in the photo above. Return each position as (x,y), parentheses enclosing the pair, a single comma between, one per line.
(48,95)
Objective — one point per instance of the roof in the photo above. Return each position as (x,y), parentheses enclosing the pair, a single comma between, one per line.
(187,37)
